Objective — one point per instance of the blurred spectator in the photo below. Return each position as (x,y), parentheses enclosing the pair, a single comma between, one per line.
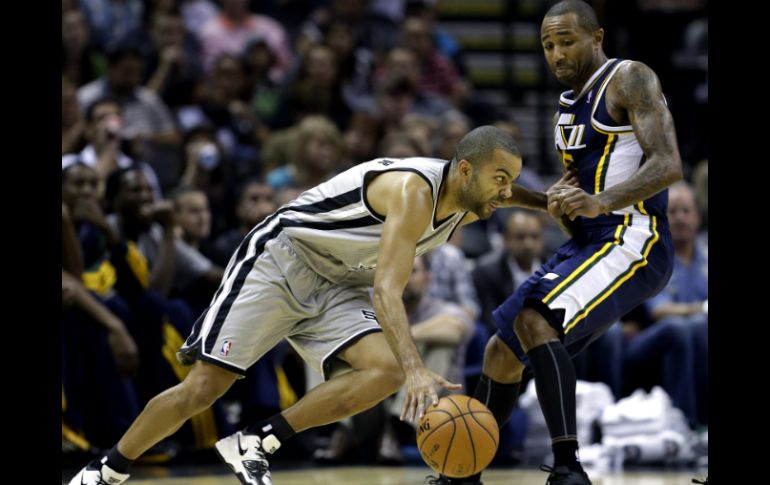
(204,168)
(104,124)
(193,217)
(147,122)
(421,129)
(362,137)
(665,340)
(315,151)
(446,44)
(97,351)
(255,202)
(73,127)
(114,23)
(258,60)
(317,89)
(451,281)
(196,13)
(375,31)
(397,92)
(230,32)
(355,63)
(438,74)
(700,181)
(452,125)
(173,66)
(499,274)
(151,226)
(683,304)
(401,145)
(81,63)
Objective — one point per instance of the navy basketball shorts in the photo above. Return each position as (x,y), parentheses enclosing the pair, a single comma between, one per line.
(592,280)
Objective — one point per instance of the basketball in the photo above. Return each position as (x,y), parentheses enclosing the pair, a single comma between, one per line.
(458,437)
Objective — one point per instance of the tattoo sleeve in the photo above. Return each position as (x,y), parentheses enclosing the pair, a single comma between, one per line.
(638,91)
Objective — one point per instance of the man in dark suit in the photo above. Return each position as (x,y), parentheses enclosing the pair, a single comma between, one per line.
(498,274)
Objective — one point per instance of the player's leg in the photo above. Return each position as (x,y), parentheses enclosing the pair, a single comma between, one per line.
(502,371)
(375,375)
(162,416)
(346,345)
(250,313)
(617,270)
(168,411)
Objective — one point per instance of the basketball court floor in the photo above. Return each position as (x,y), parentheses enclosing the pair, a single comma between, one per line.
(392,476)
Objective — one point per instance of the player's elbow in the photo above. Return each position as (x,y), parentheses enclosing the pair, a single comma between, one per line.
(383,296)
(675,173)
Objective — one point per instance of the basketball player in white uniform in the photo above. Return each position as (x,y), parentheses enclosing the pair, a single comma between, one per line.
(303,274)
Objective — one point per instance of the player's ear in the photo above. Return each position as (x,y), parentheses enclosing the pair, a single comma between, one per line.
(598,36)
(465,167)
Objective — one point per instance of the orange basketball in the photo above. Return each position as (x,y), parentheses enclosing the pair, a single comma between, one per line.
(458,437)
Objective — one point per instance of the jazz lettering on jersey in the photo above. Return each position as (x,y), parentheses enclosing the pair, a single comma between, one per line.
(567,135)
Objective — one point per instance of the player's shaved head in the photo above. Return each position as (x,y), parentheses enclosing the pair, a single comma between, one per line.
(586,17)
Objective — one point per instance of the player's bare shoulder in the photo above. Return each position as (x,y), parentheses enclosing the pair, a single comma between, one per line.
(635,86)
(398,184)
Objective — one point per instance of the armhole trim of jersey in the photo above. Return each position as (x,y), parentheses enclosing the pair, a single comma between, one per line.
(596,124)
(376,173)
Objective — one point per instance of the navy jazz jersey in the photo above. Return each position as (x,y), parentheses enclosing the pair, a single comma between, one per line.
(603,152)
(615,261)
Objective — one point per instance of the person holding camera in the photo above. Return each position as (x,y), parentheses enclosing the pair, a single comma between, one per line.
(104,125)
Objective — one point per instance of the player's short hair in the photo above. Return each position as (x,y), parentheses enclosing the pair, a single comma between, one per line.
(586,16)
(478,145)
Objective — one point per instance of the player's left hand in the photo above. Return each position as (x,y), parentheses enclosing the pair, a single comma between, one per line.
(568,180)
(577,202)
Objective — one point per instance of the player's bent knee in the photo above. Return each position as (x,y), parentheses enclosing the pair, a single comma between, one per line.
(500,363)
(392,377)
(205,384)
(532,329)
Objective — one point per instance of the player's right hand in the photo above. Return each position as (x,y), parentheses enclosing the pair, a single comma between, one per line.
(421,384)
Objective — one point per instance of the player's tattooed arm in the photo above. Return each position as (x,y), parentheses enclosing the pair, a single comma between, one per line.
(635,88)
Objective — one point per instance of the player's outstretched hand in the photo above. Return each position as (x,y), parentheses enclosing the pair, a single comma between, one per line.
(420,386)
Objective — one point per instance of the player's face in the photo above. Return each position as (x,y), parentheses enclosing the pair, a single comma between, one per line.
(569,49)
(489,184)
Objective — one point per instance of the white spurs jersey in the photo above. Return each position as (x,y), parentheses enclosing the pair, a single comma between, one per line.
(334,229)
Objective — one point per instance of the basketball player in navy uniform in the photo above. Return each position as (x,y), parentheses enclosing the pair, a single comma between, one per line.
(303,274)
(614,130)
